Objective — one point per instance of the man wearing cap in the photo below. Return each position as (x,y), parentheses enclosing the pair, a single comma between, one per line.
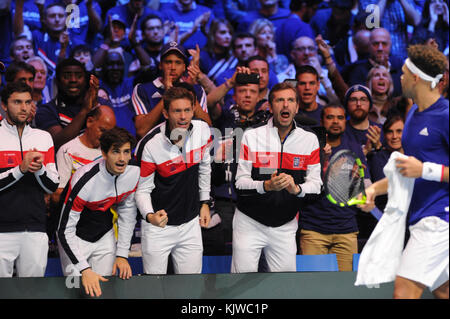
(358,101)
(365,133)
(127,13)
(114,40)
(424,262)
(146,97)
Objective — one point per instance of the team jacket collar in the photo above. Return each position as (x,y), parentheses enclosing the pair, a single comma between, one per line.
(165,128)
(13,128)
(105,171)
(270,124)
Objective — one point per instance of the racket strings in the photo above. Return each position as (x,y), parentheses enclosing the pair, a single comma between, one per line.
(343,182)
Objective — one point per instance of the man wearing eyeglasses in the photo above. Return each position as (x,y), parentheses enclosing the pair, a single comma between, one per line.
(368,134)
(278,165)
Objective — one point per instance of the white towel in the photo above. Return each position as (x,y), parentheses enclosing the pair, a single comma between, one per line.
(381,255)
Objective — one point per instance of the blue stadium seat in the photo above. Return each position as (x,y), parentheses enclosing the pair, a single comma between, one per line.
(317,262)
(136,265)
(53,268)
(355,261)
(216,264)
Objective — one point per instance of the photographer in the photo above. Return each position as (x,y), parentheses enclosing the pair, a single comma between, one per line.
(231,122)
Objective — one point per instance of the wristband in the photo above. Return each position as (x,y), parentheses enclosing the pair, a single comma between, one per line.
(432,172)
(299,191)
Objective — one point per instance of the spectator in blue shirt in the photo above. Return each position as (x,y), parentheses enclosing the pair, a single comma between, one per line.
(308,84)
(333,23)
(377,159)
(296,25)
(64,117)
(53,42)
(395,16)
(217,57)
(326,228)
(119,90)
(192,20)
(270,9)
(264,32)
(21,49)
(127,12)
(32,13)
(379,53)
(147,97)
(85,20)
(433,25)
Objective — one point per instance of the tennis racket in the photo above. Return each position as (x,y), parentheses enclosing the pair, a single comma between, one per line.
(344,179)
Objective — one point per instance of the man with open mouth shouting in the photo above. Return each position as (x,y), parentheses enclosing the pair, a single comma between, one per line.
(279,164)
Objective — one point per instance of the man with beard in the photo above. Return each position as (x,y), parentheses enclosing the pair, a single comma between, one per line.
(27,173)
(147,97)
(23,73)
(278,164)
(326,228)
(424,262)
(119,90)
(360,129)
(64,117)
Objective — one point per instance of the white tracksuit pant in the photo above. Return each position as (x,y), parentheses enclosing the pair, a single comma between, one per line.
(250,237)
(184,242)
(28,250)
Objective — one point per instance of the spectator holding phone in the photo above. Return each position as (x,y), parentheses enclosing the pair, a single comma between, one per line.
(232,122)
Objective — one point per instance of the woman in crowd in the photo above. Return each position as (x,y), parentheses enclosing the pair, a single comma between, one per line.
(379,81)
(216,57)
(377,159)
(264,32)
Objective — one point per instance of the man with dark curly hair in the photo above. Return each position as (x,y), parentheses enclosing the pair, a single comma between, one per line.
(424,262)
